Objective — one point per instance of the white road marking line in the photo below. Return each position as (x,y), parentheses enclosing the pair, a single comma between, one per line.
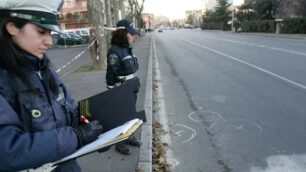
(261,46)
(288,51)
(249,64)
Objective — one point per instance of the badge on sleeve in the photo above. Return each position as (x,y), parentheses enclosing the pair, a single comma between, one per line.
(113,58)
(36,113)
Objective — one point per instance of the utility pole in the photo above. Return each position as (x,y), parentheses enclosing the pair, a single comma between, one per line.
(96,18)
(233,17)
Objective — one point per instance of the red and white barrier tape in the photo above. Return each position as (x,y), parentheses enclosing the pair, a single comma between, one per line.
(76,57)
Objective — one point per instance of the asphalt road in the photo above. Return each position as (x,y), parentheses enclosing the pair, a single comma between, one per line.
(67,60)
(234,103)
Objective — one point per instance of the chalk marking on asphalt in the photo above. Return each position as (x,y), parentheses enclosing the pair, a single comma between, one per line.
(217,116)
(165,138)
(193,133)
(248,64)
(178,133)
(230,121)
(240,127)
(258,45)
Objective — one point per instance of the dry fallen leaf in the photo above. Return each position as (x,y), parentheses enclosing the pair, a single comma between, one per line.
(159,161)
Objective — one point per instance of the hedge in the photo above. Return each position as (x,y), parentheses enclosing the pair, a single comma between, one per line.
(258,26)
(290,26)
(216,26)
(294,26)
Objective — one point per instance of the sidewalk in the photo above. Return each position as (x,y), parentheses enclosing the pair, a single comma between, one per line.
(86,84)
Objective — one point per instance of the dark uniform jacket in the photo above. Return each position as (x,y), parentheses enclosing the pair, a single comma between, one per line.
(120,62)
(35,129)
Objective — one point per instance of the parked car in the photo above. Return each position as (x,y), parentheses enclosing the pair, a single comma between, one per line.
(67,39)
(160,30)
(83,32)
(77,39)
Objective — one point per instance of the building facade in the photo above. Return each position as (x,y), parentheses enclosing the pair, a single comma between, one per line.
(148,19)
(74,14)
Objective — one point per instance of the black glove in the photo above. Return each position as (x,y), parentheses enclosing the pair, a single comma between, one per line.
(88,132)
(104,149)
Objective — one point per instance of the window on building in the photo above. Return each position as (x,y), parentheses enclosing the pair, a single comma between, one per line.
(68,2)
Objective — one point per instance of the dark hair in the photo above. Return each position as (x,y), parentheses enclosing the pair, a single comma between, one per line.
(12,56)
(119,38)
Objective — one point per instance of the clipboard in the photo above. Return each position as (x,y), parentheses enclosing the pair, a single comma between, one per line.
(109,138)
(113,107)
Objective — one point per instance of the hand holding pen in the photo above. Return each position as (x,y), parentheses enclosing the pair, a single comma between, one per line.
(88,132)
(84,119)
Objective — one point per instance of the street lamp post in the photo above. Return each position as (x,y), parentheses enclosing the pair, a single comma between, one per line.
(233,30)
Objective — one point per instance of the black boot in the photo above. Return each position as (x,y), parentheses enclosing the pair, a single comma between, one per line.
(122,148)
(134,141)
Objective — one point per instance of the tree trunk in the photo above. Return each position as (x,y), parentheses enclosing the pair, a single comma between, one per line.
(109,21)
(122,9)
(96,18)
(116,11)
(108,8)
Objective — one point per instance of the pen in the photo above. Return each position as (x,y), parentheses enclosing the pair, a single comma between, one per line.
(84,119)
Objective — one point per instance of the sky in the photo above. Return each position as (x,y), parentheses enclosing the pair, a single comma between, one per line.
(175,9)
(171,8)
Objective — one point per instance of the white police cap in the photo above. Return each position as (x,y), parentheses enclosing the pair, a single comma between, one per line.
(41,12)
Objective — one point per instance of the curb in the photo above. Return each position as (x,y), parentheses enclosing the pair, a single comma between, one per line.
(145,153)
(274,35)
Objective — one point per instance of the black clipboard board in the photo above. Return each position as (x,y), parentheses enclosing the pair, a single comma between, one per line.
(113,107)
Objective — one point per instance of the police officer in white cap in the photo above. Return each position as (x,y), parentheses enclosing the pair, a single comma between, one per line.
(39,121)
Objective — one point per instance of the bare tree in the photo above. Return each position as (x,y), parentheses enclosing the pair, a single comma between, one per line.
(288,9)
(135,9)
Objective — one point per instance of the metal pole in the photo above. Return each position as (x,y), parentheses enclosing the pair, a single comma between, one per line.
(233,30)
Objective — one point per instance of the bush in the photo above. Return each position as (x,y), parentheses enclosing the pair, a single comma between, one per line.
(294,26)
(290,26)
(258,26)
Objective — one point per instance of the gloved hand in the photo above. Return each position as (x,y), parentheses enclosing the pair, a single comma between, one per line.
(88,132)
(104,149)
